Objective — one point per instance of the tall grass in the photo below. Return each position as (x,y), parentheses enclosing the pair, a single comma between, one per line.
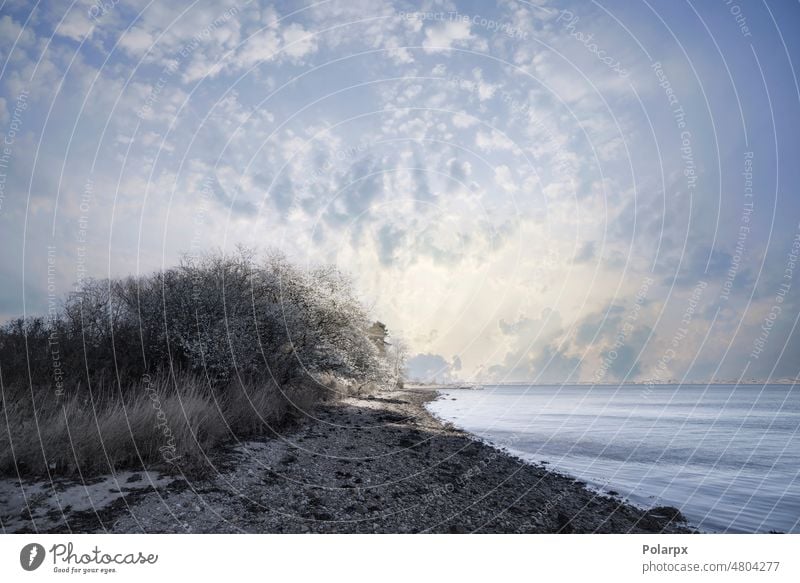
(162,423)
(156,371)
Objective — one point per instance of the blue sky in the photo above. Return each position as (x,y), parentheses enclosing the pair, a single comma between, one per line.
(554,191)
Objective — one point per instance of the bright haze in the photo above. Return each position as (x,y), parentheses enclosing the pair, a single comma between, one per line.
(521,190)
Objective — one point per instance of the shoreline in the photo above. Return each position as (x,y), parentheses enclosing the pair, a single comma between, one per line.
(375,464)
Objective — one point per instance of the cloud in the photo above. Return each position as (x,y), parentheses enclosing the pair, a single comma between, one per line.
(428,368)
(426,250)
(504,178)
(704,263)
(493,140)
(361,185)
(298,42)
(445,35)
(533,350)
(462,120)
(459,171)
(260,47)
(586,253)
(76,24)
(281,193)
(389,240)
(552,365)
(599,325)
(136,41)
(623,362)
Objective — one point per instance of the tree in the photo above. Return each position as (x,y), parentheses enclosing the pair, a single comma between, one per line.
(378,333)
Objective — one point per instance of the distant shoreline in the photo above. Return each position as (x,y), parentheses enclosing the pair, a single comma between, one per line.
(474,386)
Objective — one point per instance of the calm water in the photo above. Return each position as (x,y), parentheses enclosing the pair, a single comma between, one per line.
(728,457)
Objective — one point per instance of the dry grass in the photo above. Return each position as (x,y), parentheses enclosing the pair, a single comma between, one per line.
(246,333)
(163,422)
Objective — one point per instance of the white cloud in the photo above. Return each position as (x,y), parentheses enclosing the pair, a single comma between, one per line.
(504,179)
(76,25)
(261,47)
(493,140)
(298,42)
(136,41)
(463,120)
(445,35)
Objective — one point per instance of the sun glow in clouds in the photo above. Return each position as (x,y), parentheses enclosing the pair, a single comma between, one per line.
(498,182)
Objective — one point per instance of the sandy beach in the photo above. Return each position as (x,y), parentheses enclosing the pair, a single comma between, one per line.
(373,464)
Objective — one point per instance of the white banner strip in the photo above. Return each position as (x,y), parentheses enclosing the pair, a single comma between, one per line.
(355,558)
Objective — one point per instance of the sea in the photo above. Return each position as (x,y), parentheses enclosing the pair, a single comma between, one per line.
(727,455)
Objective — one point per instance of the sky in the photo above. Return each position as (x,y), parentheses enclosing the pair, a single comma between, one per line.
(542,191)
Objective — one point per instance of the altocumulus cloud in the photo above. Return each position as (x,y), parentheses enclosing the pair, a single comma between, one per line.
(466,177)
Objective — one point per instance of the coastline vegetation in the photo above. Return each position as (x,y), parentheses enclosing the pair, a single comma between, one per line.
(155,371)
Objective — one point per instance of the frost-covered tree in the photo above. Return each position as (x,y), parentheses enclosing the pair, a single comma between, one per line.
(228,317)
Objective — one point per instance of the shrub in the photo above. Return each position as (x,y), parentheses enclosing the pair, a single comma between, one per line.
(159,368)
